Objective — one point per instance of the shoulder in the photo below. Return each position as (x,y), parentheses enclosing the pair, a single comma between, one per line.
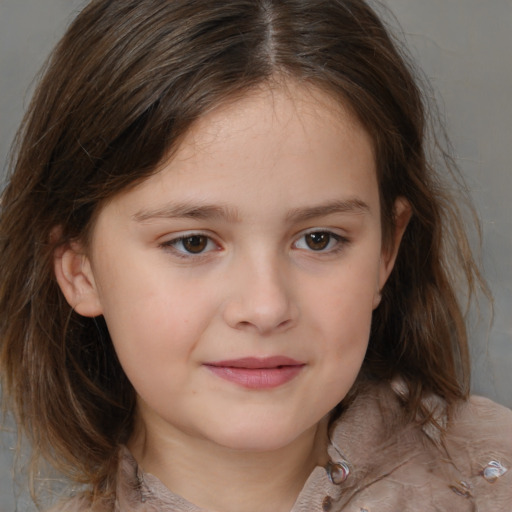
(460,461)
(478,440)
(484,419)
(480,429)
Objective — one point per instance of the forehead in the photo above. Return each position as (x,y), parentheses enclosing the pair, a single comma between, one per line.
(272,122)
(273,150)
(284,106)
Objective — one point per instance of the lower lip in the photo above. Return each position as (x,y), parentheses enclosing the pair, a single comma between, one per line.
(257,378)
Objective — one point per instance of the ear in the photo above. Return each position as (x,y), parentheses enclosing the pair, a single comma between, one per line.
(402,214)
(76,279)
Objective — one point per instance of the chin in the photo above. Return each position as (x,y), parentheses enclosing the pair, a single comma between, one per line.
(259,437)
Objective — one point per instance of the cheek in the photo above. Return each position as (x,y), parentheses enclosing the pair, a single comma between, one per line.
(340,330)
(346,299)
(154,343)
(151,322)
(342,317)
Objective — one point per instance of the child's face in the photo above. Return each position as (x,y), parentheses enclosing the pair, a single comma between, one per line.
(238,283)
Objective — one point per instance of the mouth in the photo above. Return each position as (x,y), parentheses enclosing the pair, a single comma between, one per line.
(257,373)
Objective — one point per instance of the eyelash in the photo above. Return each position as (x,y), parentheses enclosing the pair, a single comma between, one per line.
(340,242)
(172,245)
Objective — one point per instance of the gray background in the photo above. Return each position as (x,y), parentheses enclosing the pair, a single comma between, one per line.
(464,48)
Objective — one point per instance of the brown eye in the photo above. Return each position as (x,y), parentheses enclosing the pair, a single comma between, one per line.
(195,244)
(318,241)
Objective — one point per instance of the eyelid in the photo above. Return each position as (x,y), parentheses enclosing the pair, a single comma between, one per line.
(341,241)
(170,244)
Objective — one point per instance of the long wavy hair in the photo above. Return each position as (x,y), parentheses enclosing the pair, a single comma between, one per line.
(120,90)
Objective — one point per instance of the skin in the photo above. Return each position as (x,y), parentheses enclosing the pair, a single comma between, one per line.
(249,182)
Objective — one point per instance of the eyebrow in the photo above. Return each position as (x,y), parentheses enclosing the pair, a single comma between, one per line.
(354,206)
(203,212)
(188,211)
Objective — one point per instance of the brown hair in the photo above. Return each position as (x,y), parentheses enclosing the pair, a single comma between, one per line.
(125,83)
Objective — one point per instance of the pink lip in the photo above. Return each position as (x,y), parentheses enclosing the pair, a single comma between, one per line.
(257,373)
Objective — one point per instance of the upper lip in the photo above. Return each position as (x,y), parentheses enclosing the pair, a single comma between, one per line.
(257,362)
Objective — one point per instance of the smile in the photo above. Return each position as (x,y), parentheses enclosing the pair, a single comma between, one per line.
(257,373)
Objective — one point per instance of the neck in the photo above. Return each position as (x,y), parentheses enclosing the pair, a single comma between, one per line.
(227,480)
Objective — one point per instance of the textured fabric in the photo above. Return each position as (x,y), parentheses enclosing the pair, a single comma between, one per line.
(395,465)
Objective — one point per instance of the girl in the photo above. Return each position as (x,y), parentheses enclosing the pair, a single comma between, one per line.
(226,270)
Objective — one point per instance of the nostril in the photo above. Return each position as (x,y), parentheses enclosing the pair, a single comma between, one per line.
(284,323)
(263,327)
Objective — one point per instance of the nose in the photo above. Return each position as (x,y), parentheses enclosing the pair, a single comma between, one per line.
(261,298)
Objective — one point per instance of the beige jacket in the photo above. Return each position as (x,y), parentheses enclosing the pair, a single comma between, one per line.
(393,465)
